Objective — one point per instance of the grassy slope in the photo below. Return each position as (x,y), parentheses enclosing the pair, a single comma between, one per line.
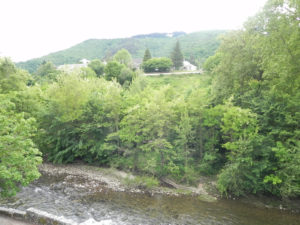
(196,47)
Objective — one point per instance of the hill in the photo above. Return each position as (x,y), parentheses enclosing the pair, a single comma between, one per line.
(196,47)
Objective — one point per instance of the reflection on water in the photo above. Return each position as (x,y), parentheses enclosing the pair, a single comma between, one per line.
(69,197)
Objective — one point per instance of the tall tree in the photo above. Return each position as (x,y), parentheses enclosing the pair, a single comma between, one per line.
(147,55)
(177,57)
(123,57)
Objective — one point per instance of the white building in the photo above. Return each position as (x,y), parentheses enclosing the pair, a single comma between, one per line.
(71,67)
(188,66)
(85,62)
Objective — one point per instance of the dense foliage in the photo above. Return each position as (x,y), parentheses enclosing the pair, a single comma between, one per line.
(239,121)
(196,47)
(258,68)
(19,156)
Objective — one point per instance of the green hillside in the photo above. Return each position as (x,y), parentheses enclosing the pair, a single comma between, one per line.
(196,47)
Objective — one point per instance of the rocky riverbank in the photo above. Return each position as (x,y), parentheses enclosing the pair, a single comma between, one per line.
(91,179)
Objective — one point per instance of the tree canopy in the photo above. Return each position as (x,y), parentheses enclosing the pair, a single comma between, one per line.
(123,57)
(157,65)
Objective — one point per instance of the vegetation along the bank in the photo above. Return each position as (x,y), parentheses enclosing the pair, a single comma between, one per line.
(239,121)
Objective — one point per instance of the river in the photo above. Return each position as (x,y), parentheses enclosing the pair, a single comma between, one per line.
(68,196)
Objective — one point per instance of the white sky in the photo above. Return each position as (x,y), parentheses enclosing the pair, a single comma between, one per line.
(32,28)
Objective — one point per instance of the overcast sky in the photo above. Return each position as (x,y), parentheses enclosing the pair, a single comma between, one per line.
(33,28)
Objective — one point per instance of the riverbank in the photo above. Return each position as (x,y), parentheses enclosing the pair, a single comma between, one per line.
(91,179)
(82,194)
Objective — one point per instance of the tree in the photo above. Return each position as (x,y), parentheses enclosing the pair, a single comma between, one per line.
(259,67)
(176,56)
(97,66)
(145,133)
(19,156)
(69,95)
(125,77)
(211,152)
(46,72)
(80,114)
(157,65)
(147,55)
(184,132)
(248,160)
(113,70)
(11,78)
(123,57)
(212,62)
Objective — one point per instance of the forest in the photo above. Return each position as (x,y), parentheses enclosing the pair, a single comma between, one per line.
(239,121)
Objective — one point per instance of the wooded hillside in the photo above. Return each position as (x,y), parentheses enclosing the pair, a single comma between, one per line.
(196,47)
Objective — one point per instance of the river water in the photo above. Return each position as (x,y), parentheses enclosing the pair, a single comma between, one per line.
(69,197)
